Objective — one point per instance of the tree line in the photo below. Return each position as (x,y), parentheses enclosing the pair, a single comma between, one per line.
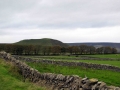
(55,50)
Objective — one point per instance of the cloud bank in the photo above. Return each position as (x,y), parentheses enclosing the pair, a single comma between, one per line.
(66,20)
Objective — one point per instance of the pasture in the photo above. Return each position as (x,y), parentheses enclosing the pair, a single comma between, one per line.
(73,58)
(10,78)
(110,77)
(115,56)
(113,63)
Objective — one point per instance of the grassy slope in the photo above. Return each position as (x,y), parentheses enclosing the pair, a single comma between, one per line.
(11,80)
(111,78)
(43,42)
(35,42)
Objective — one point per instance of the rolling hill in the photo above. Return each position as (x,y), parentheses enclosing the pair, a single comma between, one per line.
(53,42)
(43,42)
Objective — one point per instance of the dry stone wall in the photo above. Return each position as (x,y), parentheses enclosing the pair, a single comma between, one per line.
(56,81)
(97,58)
(64,63)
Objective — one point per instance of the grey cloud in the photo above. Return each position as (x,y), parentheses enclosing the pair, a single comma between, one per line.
(59,13)
(4,32)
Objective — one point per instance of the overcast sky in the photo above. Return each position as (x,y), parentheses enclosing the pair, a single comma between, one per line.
(65,20)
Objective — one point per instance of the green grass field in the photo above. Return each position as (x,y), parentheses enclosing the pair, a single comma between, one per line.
(106,56)
(110,77)
(113,63)
(11,80)
(76,59)
(115,56)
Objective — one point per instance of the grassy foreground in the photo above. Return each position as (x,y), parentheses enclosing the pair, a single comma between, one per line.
(11,80)
(111,78)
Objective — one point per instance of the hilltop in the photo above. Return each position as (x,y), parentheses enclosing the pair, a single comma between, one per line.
(43,42)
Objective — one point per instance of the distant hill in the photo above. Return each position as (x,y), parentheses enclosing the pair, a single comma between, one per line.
(43,42)
(98,44)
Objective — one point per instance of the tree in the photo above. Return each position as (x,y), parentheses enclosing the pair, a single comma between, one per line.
(2,47)
(8,48)
(44,50)
(28,49)
(70,49)
(36,49)
(56,49)
(63,50)
(100,50)
(83,49)
(17,49)
(92,49)
(114,50)
(107,50)
(75,49)
(48,50)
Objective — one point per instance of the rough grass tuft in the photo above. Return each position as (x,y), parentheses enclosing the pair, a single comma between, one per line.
(11,80)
